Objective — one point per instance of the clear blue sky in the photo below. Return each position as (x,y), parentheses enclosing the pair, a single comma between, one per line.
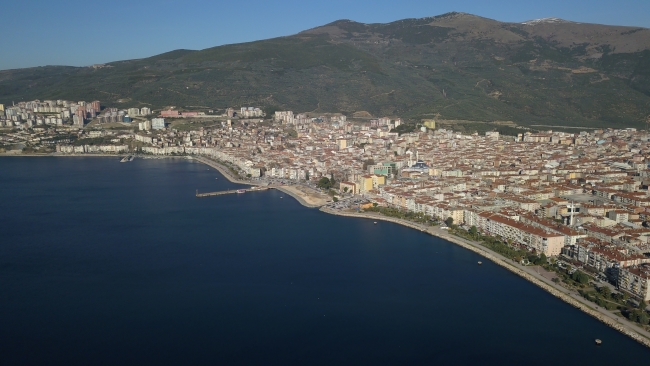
(79,33)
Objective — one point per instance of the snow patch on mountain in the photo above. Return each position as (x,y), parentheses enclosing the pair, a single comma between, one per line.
(546,21)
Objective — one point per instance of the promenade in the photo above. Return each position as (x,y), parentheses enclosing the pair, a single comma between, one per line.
(223,170)
(529,273)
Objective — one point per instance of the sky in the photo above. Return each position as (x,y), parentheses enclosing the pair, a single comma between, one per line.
(82,33)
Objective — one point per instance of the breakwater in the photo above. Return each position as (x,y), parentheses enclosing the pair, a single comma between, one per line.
(232,191)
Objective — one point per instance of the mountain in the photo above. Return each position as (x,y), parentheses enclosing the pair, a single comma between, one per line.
(455,66)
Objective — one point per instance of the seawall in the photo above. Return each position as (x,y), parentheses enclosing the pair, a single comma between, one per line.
(488,254)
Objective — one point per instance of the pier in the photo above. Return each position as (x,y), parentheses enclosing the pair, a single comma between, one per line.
(232,191)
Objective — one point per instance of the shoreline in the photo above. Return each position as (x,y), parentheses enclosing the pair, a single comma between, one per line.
(502,262)
(221,169)
(54,155)
(295,193)
(298,198)
(577,302)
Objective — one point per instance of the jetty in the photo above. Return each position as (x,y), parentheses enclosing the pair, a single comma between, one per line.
(232,191)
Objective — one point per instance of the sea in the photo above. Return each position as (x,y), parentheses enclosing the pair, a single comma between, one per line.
(106,263)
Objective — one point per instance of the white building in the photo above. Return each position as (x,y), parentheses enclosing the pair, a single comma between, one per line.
(158,123)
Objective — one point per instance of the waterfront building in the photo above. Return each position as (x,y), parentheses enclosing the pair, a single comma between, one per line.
(635,280)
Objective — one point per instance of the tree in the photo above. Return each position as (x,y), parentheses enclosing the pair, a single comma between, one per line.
(345,189)
(643,318)
(605,291)
(543,259)
(374,204)
(324,183)
(580,277)
(449,221)
(642,304)
(292,133)
(473,231)
(335,199)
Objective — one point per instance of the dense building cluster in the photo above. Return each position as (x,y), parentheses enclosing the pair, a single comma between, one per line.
(64,113)
(583,196)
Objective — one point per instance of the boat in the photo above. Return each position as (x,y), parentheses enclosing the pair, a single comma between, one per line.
(131,157)
(241,191)
(375,222)
(599,342)
(124,159)
(479,263)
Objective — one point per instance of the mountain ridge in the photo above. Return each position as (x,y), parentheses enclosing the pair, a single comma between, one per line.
(451,66)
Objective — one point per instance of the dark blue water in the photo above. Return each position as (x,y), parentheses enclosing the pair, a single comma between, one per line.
(109,263)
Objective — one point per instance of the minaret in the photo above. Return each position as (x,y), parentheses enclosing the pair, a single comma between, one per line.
(572,209)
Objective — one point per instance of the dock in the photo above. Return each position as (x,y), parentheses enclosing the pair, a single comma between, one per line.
(232,191)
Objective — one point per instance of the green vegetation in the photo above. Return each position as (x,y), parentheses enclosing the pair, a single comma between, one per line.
(491,243)
(599,295)
(403,214)
(603,297)
(435,67)
(93,141)
(405,128)
(325,183)
(580,277)
(449,221)
(292,133)
(31,150)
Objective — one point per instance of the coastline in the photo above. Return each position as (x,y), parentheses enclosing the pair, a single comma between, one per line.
(223,170)
(62,155)
(500,261)
(297,197)
(561,293)
(303,198)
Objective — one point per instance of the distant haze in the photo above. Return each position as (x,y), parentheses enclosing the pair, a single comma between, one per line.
(81,33)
